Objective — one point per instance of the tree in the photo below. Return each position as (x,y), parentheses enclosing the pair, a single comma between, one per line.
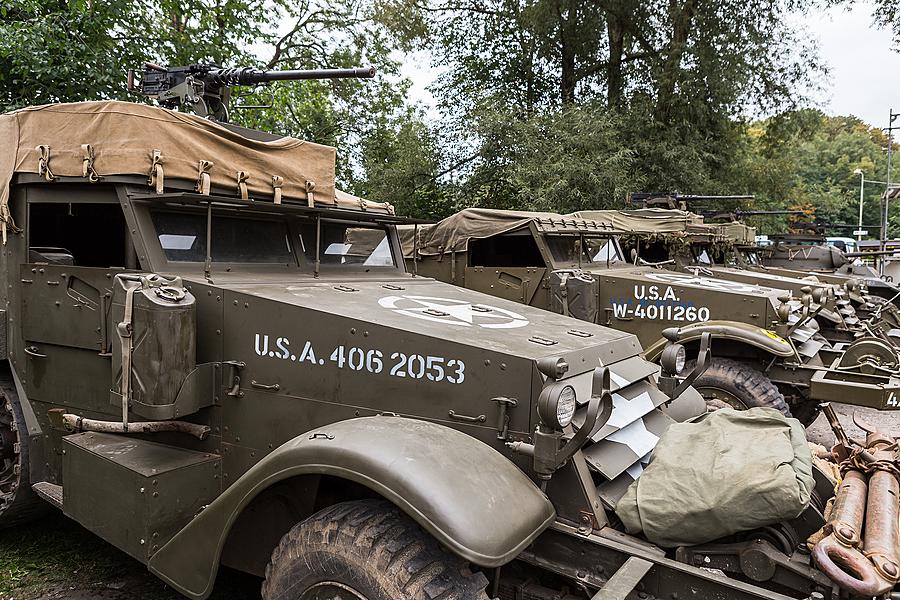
(887,15)
(807,160)
(673,78)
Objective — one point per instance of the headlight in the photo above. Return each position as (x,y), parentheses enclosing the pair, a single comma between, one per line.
(673,359)
(819,294)
(556,405)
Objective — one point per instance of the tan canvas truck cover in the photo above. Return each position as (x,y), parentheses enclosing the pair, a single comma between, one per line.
(733,471)
(653,221)
(645,220)
(453,233)
(102,139)
(738,233)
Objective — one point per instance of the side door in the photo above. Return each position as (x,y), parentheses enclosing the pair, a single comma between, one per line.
(76,246)
(509,266)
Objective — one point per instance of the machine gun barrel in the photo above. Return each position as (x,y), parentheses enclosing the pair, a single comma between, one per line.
(251,76)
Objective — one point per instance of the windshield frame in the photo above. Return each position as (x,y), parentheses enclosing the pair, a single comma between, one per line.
(152,256)
(587,261)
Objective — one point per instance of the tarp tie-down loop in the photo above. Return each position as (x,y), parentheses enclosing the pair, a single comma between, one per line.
(44,163)
(310,198)
(277,182)
(203,180)
(157,173)
(242,177)
(87,164)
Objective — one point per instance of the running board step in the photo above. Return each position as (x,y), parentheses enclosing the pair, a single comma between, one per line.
(49,492)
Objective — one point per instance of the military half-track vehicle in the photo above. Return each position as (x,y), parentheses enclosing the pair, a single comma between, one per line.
(680,241)
(810,254)
(766,349)
(214,357)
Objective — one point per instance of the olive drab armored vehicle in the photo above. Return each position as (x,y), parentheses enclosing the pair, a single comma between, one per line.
(712,250)
(767,352)
(215,357)
(811,254)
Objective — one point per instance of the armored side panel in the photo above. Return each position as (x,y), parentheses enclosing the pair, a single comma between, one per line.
(575,293)
(159,317)
(133,493)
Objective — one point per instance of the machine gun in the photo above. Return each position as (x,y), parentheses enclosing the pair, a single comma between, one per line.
(675,200)
(739,214)
(206,88)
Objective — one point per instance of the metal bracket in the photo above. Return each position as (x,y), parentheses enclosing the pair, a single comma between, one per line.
(504,405)
(236,366)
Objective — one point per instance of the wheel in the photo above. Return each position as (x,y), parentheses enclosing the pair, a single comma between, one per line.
(18,504)
(729,383)
(366,550)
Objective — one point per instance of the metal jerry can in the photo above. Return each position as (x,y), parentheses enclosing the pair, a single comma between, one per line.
(154,348)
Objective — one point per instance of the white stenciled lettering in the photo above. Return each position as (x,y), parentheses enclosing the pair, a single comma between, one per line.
(282,344)
(362,360)
(265,348)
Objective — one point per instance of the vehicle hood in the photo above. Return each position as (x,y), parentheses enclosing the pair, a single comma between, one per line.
(426,307)
(660,277)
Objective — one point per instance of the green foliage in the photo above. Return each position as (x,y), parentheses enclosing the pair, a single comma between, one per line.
(807,160)
(598,97)
(566,160)
(887,14)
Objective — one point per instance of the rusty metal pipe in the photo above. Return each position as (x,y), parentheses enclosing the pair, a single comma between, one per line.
(76,424)
(847,514)
(837,555)
(882,513)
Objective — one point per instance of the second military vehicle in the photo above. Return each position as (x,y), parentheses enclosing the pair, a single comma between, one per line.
(767,349)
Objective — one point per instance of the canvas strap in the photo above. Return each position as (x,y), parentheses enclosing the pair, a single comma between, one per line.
(203,181)
(157,173)
(87,164)
(310,198)
(277,182)
(44,163)
(125,330)
(242,178)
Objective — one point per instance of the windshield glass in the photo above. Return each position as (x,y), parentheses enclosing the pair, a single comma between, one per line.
(702,256)
(182,236)
(566,248)
(344,244)
(603,250)
(751,257)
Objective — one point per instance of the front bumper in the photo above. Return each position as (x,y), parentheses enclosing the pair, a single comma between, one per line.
(859,389)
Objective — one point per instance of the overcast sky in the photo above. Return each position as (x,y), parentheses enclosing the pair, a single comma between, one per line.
(863,78)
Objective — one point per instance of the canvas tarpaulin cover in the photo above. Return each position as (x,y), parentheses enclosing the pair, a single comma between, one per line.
(102,139)
(453,233)
(733,471)
(645,220)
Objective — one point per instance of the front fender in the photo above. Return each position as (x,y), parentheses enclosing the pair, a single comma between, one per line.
(467,495)
(728,330)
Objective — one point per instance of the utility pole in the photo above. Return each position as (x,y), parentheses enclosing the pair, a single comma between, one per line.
(887,202)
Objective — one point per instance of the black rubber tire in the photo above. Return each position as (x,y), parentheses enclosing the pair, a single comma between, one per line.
(749,386)
(18,503)
(373,548)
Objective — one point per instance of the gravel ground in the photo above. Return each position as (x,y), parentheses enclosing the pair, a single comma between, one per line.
(820,432)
